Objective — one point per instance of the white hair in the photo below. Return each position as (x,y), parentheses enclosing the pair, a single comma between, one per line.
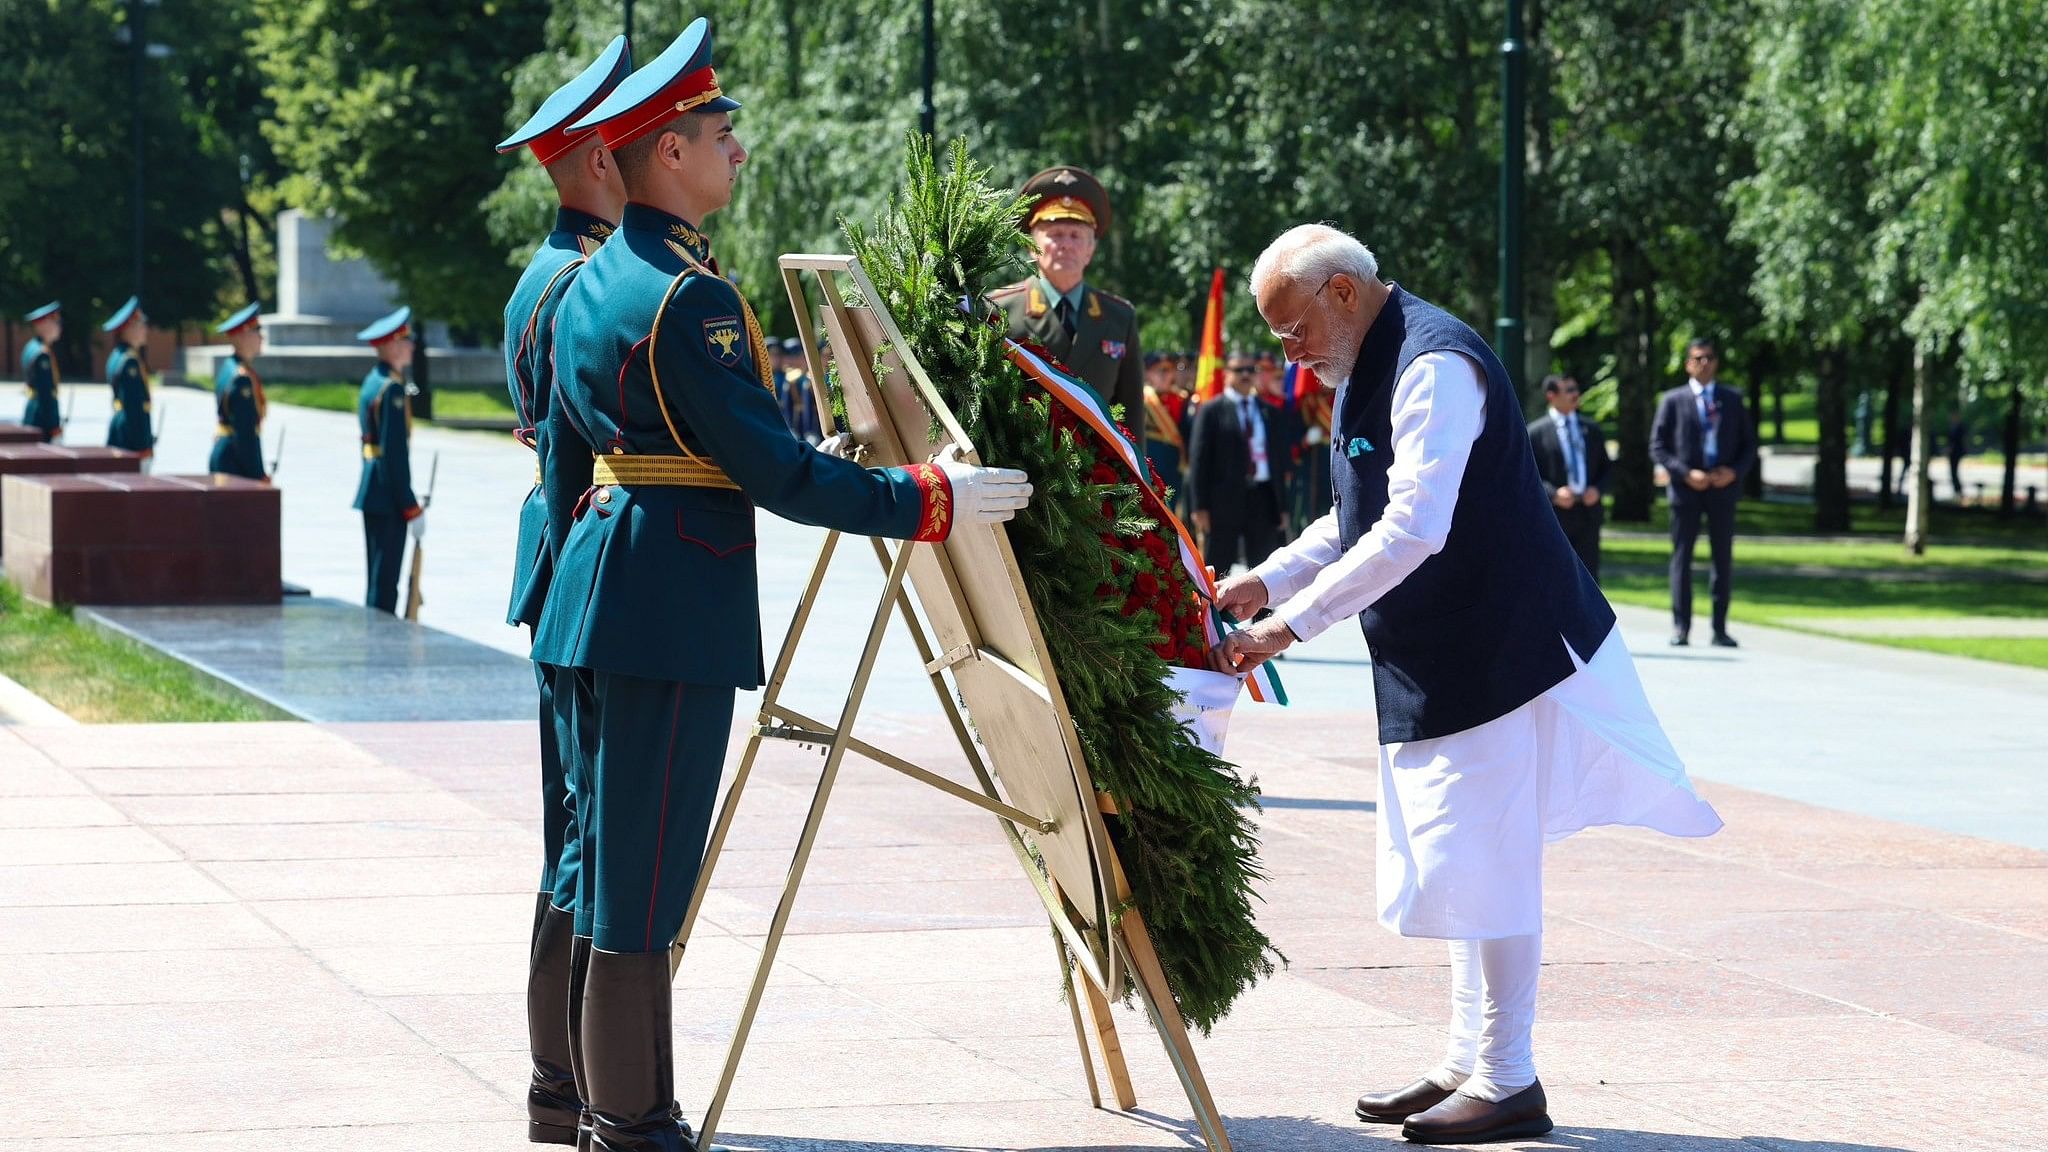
(1312,253)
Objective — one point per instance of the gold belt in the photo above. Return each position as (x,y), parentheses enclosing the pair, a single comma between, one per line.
(659,471)
(223,430)
(372,452)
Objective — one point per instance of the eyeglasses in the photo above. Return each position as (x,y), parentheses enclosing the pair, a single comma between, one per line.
(1241,371)
(1702,356)
(1293,331)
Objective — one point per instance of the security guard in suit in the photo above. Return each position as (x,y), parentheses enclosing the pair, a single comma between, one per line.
(591,197)
(1092,333)
(238,400)
(39,371)
(662,389)
(384,495)
(128,375)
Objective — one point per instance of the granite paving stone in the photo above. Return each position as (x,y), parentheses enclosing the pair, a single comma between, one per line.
(352,977)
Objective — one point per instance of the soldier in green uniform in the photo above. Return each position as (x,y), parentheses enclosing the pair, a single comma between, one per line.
(1090,331)
(591,196)
(384,495)
(661,386)
(128,375)
(39,371)
(238,402)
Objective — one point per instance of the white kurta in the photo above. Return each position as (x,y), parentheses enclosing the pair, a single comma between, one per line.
(1463,818)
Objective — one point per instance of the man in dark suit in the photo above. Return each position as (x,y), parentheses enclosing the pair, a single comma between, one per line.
(1703,439)
(1571,457)
(1093,333)
(1237,468)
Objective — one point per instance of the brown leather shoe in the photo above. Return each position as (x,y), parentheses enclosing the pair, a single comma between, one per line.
(1398,1105)
(1463,1119)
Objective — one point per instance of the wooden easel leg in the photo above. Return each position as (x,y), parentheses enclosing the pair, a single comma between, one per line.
(1080,1029)
(841,734)
(1151,981)
(1104,1025)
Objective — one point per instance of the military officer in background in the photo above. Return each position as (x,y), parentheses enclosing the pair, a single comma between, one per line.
(793,390)
(591,196)
(662,386)
(128,375)
(1094,334)
(384,495)
(238,400)
(1164,445)
(39,371)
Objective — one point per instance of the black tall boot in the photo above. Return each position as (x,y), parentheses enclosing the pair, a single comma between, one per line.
(579,973)
(552,1105)
(629,1054)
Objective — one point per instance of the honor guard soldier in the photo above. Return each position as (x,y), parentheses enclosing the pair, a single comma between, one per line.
(129,376)
(591,196)
(384,495)
(39,371)
(662,384)
(1094,334)
(238,402)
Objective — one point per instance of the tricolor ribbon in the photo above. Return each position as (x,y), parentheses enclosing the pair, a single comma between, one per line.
(1082,401)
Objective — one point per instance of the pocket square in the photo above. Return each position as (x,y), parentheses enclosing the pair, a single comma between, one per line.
(1357,446)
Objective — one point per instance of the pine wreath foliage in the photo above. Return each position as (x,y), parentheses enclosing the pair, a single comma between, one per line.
(1185,836)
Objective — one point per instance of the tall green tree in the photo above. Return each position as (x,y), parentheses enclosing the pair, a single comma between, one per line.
(385,114)
(68,187)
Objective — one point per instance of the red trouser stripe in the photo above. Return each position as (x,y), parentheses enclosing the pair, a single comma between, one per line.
(661,830)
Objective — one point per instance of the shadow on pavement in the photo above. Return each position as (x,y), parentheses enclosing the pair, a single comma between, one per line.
(1304,1134)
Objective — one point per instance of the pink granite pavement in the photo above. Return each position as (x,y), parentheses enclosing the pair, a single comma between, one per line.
(284,937)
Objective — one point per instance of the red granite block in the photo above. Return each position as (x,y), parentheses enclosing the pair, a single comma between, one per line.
(55,459)
(12,433)
(134,539)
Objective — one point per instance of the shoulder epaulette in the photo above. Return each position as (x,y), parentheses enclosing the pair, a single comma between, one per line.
(1009,289)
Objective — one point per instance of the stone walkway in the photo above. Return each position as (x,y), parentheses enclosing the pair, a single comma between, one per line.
(297,937)
(1997,626)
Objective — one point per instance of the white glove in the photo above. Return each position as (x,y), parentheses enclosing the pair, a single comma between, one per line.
(983,495)
(418,526)
(839,444)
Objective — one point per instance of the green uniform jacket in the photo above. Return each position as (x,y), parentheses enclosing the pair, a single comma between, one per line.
(238,405)
(1104,348)
(655,353)
(529,377)
(39,372)
(384,415)
(130,427)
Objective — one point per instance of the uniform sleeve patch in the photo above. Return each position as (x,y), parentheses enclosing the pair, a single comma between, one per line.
(723,339)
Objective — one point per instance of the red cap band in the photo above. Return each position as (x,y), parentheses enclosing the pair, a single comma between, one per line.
(690,90)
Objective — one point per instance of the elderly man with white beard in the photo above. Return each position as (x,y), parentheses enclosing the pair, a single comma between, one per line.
(1509,709)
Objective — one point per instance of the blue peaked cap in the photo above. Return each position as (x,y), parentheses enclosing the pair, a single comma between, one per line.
(50,309)
(238,319)
(547,131)
(122,314)
(388,326)
(679,80)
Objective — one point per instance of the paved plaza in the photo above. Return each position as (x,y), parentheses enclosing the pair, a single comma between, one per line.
(303,936)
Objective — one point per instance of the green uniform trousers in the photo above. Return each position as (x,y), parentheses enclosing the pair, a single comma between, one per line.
(643,777)
(559,856)
(384,543)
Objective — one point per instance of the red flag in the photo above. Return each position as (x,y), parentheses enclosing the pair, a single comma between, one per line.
(1209,366)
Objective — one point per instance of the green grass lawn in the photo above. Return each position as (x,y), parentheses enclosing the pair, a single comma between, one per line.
(449,404)
(1790,580)
(2030,651)
(103,679)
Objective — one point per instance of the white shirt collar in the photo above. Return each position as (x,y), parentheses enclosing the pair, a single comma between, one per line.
(1698,387)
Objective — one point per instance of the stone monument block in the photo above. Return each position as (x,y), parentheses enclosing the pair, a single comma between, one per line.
(59,459)
(134,539)
(12,433)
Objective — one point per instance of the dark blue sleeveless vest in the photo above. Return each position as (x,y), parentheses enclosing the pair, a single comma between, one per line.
(1480,628)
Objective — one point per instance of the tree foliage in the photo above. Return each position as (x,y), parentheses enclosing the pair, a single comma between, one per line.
(385,116)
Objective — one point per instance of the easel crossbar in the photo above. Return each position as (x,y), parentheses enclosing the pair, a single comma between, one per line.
(810,731)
